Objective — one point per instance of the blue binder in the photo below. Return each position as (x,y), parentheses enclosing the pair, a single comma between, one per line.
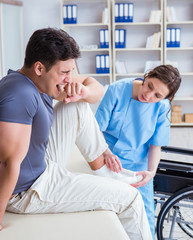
(74,13)
(116,12)
(168,37)
(70,14)
(102,64)
(107,64)
(98,64)
(102,57)
(177,37)
(104,38)
(122,38)
(65,19)
(116,38)
(121,12)
(172,37)
(131,12)
(126,12)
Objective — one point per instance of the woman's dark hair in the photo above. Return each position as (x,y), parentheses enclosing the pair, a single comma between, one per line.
(169,75)
(50,45)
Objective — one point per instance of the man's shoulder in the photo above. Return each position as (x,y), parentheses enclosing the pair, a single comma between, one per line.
(16,83)
(19,92)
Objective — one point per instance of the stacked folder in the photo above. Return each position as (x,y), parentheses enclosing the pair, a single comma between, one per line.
(123,12)
(153,41)
(102,64)
(120,38)
(173,36)
(69,14)
(104,38)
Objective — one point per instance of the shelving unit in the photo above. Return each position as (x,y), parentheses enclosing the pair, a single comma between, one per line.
(182,55)
(86,34)
(136,54)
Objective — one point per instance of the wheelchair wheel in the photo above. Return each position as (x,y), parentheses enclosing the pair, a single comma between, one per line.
(175,220)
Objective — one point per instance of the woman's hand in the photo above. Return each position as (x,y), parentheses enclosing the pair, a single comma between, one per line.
(1,227)
(112,161)
(147,176)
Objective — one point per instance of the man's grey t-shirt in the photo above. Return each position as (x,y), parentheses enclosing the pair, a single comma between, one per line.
(21,102)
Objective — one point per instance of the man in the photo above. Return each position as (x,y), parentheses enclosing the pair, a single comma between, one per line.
(33,178)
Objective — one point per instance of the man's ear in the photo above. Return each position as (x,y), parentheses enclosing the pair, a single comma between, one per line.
(38,68)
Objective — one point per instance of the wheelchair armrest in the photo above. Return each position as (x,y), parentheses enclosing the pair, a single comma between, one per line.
(177,150)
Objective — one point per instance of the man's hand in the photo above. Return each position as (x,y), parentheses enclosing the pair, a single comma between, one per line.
(1,227)
(72,92)
(80,88)
(75,91)
(112,161)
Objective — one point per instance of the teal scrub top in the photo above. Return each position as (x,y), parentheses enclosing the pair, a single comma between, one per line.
(130,126)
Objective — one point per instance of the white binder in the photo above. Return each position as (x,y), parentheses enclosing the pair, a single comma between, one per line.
(69,12)
(102,63)
(102,38)
(116,37)
(178,37)
(168,38)
(173,37)
(74,13)
(121,11)
(106,37)
(64,13)
(98,64)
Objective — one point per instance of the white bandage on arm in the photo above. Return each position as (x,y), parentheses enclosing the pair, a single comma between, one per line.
(125,175)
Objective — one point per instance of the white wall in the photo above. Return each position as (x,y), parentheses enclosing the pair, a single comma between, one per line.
(39,14)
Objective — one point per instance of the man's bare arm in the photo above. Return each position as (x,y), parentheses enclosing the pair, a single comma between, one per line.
(14,144)
(81,88)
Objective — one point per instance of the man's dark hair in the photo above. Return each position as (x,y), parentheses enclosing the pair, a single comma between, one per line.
(50,45)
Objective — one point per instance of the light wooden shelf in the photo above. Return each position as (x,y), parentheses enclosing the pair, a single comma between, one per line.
(183,124)
(137,24)
(186,74)
(129,75)
(180,23)
(95,50)
(136,49)
(183,99)
(95,75)
(85,25)
(180,49)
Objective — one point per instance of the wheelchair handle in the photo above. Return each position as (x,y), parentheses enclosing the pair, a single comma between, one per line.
(177,150)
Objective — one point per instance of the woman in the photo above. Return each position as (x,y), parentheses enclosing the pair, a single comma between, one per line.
(134,117)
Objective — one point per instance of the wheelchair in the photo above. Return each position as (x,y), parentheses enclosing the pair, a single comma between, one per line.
(173,188)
